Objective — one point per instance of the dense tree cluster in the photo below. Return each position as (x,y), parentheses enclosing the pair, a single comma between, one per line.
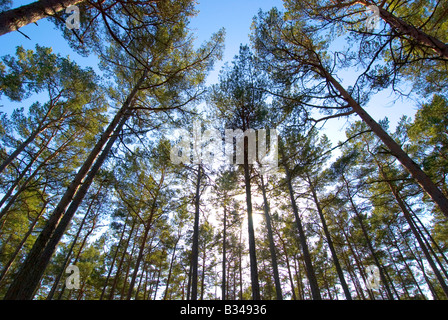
(87,177)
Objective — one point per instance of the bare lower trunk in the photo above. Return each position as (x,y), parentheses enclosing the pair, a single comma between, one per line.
(195,245)
(329,241)
(369,243)
(419,239)
(224,262)
(302,237)
(251,233)
(278,287)
(170,272)
(114,259)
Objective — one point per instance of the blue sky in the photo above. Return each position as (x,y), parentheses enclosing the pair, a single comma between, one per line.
(236,17)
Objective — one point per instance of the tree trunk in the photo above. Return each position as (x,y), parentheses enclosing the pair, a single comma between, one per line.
(128,269)
(344,285)
(114,258)
(291,280)
(67,259)
(369,244)
(416,218)
(302,237)
(120,264)
(419,175)
(145,236)
(394,241)
(204,256)
(195,245)
(224,239)
(158,280)
(170,271)
(240,265)
(29,276)
(14,19)
(358,263)
(278,287)
(250,226)
(419,239)
(139,259)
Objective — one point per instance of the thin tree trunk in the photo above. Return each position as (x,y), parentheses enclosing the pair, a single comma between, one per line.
(415,217)
(140,282)
(139,259)
(170,271)
(114,258)
(224,239)
(278,287)
(145,236)
(250,226)
(422,236)
(30,178)
(394,241)
(344,285)
(12,199)
(58,278)
(369,244)
(20,177)
(240,266)
(128,269)
(203,273)
(14,19)
(302,237)
(117,274)
(419,239)
(291,280)
(298,274)
(158,281)
(195,244)
(413,227)
(353,277)
(357,261)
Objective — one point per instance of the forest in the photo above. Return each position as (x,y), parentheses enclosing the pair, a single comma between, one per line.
(93,207)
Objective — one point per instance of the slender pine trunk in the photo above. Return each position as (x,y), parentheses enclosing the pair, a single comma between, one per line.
(120,264)
(369,243)
(195,244)
(278,287)
(111,267)
(315,293)
(224,262)
(336,262)
(168,280)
